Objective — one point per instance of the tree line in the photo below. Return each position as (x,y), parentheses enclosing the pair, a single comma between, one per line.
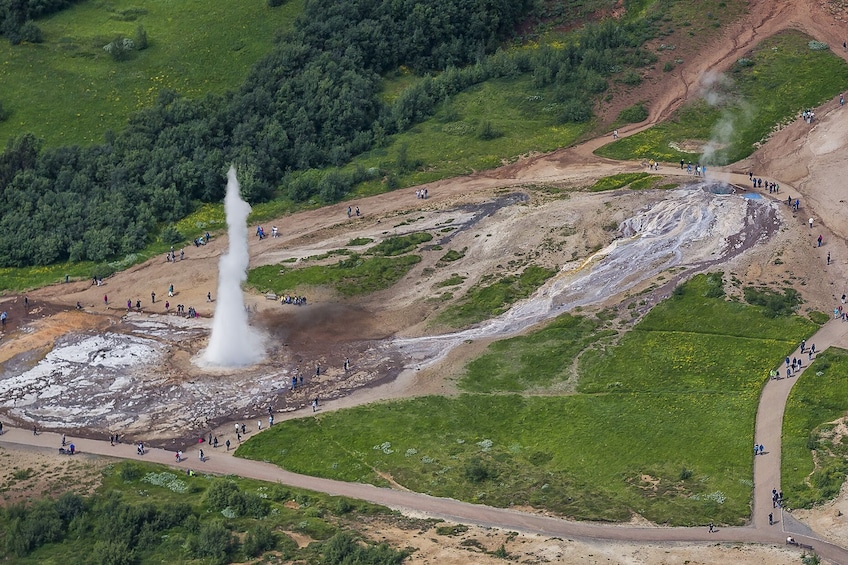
(311,103)
(115,530)
(16,18)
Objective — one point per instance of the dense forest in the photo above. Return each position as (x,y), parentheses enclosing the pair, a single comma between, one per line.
(311,103)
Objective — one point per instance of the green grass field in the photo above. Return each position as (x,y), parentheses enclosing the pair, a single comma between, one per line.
(785,77)
(621,180)
(662,424)
(819,398)
(68,90)
(351,276)
(532,361)
(448,144)
(489,299)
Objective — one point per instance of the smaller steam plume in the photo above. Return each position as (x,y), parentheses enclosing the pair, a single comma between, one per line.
(735,113)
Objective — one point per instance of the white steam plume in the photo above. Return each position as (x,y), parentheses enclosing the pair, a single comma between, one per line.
(233,342)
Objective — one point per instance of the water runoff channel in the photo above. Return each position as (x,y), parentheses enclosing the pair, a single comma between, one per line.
(697,226)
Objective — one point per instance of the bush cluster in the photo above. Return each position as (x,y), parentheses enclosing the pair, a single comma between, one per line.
(223,494)
(774,304)
(16,18)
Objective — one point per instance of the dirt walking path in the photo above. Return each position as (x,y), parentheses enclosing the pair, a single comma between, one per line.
(769,431)
(766,477)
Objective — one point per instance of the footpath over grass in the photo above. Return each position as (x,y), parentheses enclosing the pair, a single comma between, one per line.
(661,426)
(221,462)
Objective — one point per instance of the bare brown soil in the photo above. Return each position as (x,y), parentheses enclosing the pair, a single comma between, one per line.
(551,228)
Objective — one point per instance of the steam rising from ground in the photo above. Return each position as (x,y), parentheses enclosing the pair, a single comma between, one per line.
(233,342)
(735,113)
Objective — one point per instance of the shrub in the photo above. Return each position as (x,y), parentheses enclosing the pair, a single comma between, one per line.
(275,3)
(343,506)
(4,113)
(110,552)
(22,474)
(31,33)
(487,131)
(773,303)
(668,67)
(41,525)
(398,245)
(69,506)
(130,472)
(170,235)
(452,255)
(476,471)
(219,494)
(715,285)
(172,514)
(634,114)
(140,38)
(342,548)
(451,530)
(631,78)
(575,111)
(259,540)
(213,541)
(120,48)
(817,45)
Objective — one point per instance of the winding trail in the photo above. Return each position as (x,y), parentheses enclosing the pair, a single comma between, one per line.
(766,477)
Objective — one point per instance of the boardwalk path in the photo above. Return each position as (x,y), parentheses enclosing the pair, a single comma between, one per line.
(766,477)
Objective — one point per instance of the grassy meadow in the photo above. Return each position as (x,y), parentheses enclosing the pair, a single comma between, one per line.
(532,361)
(351,276)
(378,268)
(636,181)
(490,298)
(450,144)
(817,401)
(68,90)
(781,77)
(661,424)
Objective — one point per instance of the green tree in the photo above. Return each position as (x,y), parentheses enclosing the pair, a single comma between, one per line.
(259,540)
(140,38)
(214,542)
(109,552)
(31,33)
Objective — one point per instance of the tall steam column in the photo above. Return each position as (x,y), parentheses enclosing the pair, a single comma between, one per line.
(233,343)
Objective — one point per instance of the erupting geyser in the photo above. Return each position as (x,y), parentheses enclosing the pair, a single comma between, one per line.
(233,342)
